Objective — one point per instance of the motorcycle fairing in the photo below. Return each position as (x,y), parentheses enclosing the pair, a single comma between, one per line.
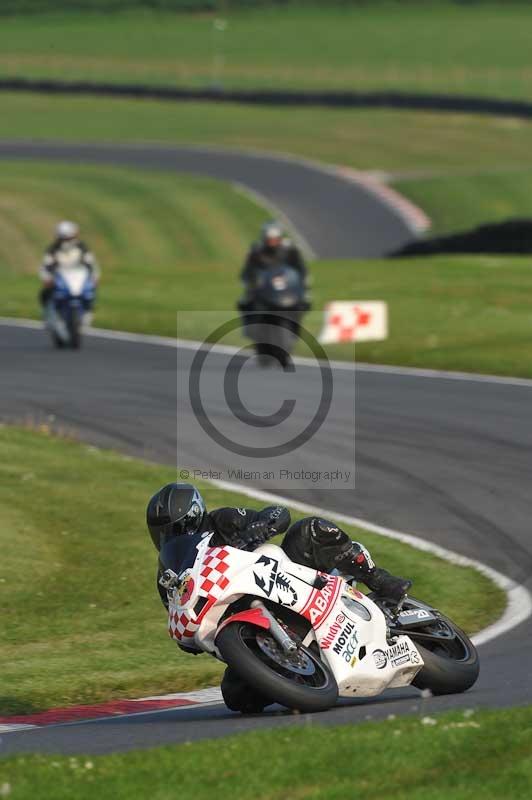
(353,644)
(73,288)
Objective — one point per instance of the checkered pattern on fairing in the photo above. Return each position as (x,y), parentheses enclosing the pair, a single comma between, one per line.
(215,565)
(184,624)
(181,625)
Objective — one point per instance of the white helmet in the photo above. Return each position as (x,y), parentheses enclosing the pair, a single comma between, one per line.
(271,233)
(67,230)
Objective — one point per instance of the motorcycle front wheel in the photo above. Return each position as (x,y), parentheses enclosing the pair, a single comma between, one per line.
(57,342)
(451,660)
(74,329)
(301,681)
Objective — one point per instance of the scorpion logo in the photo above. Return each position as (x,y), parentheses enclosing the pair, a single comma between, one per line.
(274,583)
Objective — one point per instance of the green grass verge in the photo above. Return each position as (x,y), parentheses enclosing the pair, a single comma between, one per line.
(422,47)
(463,756)
(82,621)
(458,202)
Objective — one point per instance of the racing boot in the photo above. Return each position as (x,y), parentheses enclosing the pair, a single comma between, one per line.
(386,585)
(357,562)
(239,696)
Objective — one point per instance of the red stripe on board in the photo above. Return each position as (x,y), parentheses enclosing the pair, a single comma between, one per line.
(110,709)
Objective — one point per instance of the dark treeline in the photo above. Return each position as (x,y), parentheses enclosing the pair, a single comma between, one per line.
(513,236)
(38,6)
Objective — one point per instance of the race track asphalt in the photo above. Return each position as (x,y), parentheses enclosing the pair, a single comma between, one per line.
(448,460)
(337,217)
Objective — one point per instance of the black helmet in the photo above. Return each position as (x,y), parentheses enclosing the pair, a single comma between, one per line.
(175,510)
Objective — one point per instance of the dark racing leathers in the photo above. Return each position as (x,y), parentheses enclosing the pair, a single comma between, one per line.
(312,541)
(261,257)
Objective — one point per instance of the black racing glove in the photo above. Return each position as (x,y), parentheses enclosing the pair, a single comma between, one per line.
(256,534)
(250,537)
(277,519)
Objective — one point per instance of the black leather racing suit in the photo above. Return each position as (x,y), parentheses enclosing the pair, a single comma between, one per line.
(261,257)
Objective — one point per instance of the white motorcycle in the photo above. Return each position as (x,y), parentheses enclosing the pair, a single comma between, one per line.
(70,304)
(303,638)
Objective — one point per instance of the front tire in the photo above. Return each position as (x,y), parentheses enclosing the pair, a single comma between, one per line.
(302,682)
(57,342)
(451,666)
(74,329)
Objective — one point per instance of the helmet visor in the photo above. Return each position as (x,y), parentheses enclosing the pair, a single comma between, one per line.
(192,520)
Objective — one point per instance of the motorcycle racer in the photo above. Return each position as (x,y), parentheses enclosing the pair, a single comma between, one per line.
(66,245)
(177,520)
(271,250)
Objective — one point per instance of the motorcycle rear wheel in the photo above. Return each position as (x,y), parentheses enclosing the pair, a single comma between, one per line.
(302,682)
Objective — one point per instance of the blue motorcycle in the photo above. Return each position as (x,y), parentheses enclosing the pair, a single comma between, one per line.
(70,305)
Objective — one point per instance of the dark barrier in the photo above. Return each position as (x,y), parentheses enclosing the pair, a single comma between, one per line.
(8,7)
(511,236)
(397,100)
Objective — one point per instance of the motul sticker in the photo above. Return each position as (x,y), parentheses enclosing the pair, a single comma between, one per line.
(347,643)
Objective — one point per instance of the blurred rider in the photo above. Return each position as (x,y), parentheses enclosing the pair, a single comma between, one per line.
(273,249)
(66,248)
(177,520)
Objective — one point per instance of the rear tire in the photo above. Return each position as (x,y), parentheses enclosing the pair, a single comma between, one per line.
(254,655)
(444,674)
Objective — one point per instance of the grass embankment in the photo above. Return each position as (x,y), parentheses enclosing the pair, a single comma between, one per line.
(463,756)
(462,169)
(171,243)
(458,202)
(164,242)
(420,47)
(82,618)
(394,141)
